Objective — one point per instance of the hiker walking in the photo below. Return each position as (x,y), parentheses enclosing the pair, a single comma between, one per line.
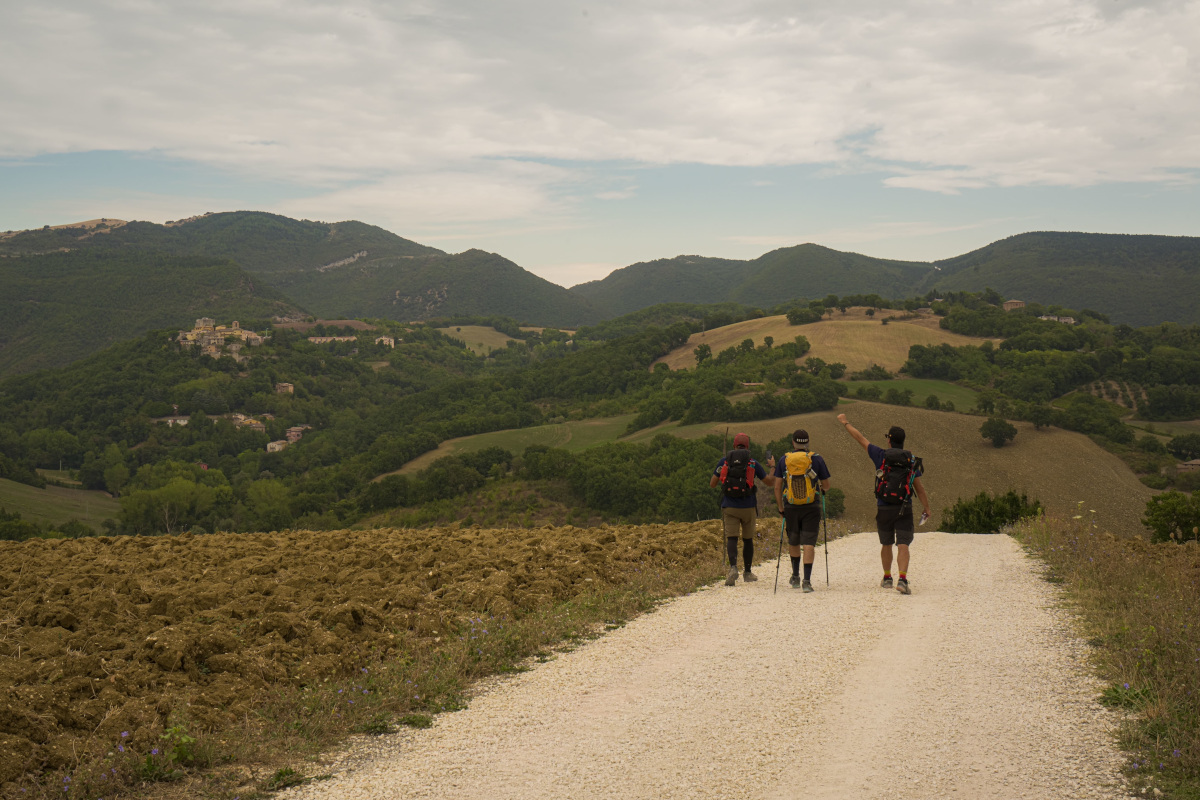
(800,478)
(897,474)
(736,474)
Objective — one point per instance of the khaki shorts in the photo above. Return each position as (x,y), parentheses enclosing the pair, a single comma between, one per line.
(739,518)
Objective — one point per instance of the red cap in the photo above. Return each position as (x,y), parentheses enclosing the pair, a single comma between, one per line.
(741,440)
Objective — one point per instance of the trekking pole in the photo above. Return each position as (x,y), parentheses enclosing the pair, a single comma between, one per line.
(825,525)
(779,555)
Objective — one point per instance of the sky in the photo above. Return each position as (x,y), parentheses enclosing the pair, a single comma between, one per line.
(575,138)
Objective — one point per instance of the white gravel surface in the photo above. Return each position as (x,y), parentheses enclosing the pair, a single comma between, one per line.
(974,686)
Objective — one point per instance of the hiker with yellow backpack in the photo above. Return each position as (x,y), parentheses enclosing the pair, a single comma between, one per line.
(801,478)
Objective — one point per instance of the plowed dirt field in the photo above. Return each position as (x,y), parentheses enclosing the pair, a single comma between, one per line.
(106,642)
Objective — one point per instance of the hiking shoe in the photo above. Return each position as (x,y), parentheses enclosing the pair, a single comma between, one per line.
(806,586)
(902,587)
(749,576)
(731,579)
(886,583)
(795,582)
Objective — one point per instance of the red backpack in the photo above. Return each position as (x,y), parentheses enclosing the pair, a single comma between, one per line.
(737,474)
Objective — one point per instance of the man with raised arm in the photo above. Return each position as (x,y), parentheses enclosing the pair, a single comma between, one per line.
(897,475)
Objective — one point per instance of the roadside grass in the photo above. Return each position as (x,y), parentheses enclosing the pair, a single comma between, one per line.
(480,338)
(963,398)
(1140,605)
(279,744)
(57,504)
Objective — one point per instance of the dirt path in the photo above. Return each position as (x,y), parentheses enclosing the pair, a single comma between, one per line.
(974,686)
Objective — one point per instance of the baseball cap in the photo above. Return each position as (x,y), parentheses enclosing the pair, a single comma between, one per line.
(741,440)
(800,436)
(896,433)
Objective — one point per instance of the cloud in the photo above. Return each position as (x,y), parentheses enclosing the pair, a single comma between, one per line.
(414,105)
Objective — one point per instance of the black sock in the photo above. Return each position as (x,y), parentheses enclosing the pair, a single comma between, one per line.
(795,566)
(807,571)
(731,548)
(747,553)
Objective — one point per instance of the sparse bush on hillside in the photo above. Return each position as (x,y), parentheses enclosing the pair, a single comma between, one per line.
(871,373)
(835,503)
(999,431)
(986,514)
(1173,517)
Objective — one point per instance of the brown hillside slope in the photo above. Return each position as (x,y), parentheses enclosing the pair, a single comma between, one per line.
(1058,467)
(853,339)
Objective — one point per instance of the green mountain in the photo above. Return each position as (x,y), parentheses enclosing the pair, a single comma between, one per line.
(69,291)
(421,287)
(60,306)
(1139,280)
(807,270)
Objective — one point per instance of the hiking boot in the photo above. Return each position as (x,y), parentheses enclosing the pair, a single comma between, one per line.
(749,576)
(806,586)
(886,583)
(731,579)
(795,582)
(902,587)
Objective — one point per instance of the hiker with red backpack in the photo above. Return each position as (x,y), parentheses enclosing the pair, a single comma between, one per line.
(897,476)
(801,479)
(736,474)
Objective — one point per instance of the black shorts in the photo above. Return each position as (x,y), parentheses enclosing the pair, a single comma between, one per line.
(895,524)
(803,523)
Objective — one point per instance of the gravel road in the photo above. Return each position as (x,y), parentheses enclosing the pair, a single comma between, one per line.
(974,686)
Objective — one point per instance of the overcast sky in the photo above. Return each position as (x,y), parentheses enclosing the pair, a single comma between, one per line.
(578,137)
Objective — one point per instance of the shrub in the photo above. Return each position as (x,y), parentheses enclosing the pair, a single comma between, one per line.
(1173,516)
(998,430)
(835,503)
(986,514)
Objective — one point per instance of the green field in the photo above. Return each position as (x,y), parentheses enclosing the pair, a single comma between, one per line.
(481,339)
(577,435)
(55,505)
(962,397)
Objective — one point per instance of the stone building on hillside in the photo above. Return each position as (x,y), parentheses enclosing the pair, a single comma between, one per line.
(217,340)
(1012,305)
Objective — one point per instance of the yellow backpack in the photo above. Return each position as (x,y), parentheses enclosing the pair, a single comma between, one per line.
(799,478)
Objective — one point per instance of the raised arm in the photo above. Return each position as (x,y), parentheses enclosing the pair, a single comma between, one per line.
(858,437)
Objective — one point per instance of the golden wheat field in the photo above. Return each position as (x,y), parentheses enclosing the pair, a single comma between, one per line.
(853,339)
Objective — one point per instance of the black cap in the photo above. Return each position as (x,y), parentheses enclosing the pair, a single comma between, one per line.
(896,434)
(800,436)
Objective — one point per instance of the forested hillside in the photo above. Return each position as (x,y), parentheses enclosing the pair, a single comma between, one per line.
(806,271)
(60,306)
(1139,280)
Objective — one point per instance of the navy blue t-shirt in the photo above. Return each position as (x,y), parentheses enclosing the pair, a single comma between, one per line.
(876,453)
(760,474)
(818,466)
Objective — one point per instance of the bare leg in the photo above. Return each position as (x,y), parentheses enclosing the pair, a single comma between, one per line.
(885,555)
(809,552)
(902,558)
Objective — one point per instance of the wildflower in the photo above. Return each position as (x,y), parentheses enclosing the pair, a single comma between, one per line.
(1127,686)
(1176,753)
(124,734)
(121,747)
(154,752)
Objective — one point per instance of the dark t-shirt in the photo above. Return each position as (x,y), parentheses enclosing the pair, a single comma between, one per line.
(818,465)
(876,453)
(760,474)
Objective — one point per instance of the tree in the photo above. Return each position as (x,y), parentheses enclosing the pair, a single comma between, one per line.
(1041,416)
(998,430)
(870,312)
(1185,447)
(1173,516)
(703,353)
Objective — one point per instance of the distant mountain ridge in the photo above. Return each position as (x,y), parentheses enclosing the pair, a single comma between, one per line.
(1136,279)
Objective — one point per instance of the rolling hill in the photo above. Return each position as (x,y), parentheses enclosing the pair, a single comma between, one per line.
(807,270)
(853,339)
(58,307)
(1138,280)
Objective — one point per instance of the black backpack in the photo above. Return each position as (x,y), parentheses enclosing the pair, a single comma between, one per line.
(737,476)
(894,478)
